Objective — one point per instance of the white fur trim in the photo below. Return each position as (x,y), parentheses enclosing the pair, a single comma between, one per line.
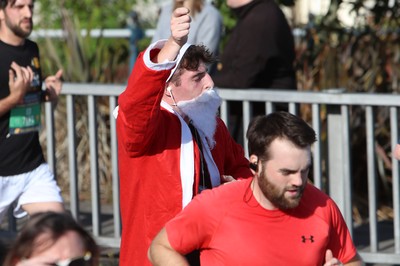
(115,112)
(178,59)
(212,167)
(186,160)
(166,64)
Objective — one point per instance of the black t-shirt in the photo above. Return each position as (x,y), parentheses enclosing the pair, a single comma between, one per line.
(260,52)
(19,153)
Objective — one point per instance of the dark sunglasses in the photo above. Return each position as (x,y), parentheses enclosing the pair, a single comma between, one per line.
(78,261)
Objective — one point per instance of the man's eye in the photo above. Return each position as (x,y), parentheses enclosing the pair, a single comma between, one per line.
(305,171)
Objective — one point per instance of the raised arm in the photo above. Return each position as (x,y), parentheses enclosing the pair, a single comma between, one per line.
(180,24)
(161,252)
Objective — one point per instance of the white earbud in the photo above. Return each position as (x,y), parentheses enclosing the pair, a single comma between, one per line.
(169,89)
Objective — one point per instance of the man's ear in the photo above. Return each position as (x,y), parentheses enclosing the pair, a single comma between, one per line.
(253,162)
(168,90)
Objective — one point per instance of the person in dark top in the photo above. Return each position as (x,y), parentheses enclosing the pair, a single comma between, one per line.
(260,53)
(25,177)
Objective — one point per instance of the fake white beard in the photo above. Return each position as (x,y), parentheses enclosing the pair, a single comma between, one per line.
(203,110)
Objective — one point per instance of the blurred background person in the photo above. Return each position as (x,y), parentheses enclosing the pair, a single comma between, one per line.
(137,33)
(205,27)
(259,53)
(26,178)
(51,238)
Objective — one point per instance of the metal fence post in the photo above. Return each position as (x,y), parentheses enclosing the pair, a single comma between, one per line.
(339,172)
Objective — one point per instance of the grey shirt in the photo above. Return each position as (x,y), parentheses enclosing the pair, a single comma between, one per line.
(205,28)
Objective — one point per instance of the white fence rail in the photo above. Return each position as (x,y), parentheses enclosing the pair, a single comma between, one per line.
(330,114)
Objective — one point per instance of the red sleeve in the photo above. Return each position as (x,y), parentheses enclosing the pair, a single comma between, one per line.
(194,226)
(340,241)
(139,106)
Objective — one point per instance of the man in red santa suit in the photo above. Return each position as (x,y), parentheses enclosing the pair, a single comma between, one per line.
(171,144)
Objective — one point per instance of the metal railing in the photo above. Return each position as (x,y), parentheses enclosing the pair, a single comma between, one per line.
(329,114)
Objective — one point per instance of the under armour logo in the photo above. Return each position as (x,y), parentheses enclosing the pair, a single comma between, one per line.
(304,239)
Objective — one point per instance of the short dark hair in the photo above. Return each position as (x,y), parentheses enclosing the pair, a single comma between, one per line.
(263,130)
(191,60)
(4,3)
(56,225)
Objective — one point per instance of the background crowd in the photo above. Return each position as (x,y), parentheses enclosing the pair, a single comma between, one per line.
(272,68)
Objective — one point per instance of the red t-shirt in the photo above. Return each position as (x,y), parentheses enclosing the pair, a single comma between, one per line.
(231,228)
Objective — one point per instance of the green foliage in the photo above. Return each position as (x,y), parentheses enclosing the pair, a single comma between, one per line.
(328,55)
(361,58)
(90,13)
(83,58)
(383,13)
(228,20)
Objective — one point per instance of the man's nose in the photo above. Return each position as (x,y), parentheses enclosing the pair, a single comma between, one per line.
(297,179)
(28,11)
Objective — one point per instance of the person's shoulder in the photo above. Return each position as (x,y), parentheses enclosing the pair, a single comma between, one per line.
(209,11)
(220,121)
(314,204)
(265,11)
(317,202)
(235,188)
(166,8)
(227,192)
(270,4)
(221,126)
(311,191)
(31,44)
(313,198)
(208,7)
